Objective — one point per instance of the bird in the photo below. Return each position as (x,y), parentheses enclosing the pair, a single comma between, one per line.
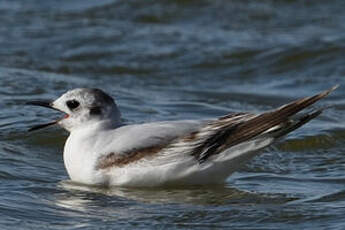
(102,150)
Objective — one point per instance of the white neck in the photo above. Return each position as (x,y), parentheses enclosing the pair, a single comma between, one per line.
(94,126)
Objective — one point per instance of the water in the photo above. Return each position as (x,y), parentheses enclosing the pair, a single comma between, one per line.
(168,60)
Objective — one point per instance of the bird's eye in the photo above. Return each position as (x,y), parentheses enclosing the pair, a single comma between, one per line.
(72,104)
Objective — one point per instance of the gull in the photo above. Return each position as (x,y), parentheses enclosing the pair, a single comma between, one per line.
(101,150)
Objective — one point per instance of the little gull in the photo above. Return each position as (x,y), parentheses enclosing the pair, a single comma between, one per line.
(100,150)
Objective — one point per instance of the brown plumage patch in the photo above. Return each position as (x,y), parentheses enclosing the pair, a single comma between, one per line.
(191,137)
(234,133)
(233,116)
(119,160)
(227,131)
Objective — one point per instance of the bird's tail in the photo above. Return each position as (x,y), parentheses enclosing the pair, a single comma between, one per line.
(274,124)
(294,124)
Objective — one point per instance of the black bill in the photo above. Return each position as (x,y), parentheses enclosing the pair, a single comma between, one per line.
(47,104)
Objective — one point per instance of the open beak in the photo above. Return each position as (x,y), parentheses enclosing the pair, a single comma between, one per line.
(47,104)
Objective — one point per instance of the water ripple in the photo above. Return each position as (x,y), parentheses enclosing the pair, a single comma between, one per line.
(168,60)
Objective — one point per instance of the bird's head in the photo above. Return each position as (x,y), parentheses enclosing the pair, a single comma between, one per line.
(82,107)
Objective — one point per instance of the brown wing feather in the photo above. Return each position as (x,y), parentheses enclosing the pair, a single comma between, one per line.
(118,160)
(238,132)
(223,133)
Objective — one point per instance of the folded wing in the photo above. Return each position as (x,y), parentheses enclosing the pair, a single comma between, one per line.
(215,136)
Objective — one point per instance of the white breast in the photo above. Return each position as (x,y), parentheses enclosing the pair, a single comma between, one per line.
(79,159)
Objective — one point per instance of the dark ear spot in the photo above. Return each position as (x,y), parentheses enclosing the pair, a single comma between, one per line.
(95,111)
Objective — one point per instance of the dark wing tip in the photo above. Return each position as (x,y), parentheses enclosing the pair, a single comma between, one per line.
(233,134)
(335,87)
(326,92)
